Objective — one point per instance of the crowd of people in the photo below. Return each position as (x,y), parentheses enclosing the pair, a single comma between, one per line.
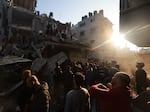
(85,88)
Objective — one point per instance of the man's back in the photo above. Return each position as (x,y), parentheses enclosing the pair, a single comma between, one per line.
(77,100)
(116,98)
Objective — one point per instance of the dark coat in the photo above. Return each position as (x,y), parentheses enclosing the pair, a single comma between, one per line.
(24,96)
(40,99)
(141,80)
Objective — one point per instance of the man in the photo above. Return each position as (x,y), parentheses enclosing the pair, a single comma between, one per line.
(140,78)
(117,97)
(24,92)
(77,99)
(40,98)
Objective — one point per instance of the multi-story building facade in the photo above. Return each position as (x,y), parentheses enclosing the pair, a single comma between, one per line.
(26,4)
(135,21)
(20,16)
(93,29)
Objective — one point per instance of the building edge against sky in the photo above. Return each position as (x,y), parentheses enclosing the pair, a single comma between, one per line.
(93,29)
(135,21)
(72,11)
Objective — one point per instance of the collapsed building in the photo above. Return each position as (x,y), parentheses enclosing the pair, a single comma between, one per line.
(25,33)
(29,32)
(30,40)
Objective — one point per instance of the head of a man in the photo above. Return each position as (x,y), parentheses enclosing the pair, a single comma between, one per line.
(26,73)
(78,79)
(32,81)
(120,79)
(140,65)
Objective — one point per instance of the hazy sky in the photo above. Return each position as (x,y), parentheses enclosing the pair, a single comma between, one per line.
(73,10)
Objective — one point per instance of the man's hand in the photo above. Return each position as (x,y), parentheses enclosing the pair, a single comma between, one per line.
(100,85)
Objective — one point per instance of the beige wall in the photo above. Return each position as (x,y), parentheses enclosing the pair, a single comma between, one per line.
(96,28)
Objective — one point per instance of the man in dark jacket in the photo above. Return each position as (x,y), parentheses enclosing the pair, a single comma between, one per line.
(140,78)
(24,92)
(40,98)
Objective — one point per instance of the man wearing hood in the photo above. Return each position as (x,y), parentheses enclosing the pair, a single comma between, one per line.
(40,98)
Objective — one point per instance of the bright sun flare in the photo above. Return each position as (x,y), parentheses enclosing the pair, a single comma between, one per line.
(119,41)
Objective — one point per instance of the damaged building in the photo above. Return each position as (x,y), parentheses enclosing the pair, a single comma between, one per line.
(31,33)
(33,41)
(38,42)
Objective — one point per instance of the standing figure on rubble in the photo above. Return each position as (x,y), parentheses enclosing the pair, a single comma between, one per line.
(140,78)
(40,99)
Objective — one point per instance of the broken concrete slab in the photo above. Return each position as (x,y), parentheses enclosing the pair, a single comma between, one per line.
(12,59)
